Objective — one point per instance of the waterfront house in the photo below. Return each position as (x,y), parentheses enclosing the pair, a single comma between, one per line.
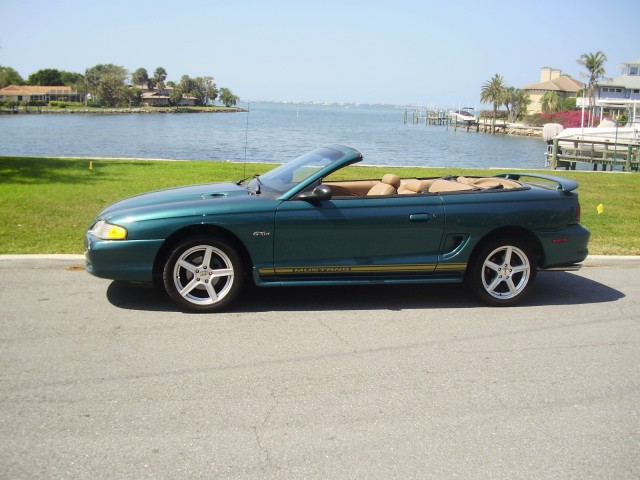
(40,93)
(160,97)
(617,95)
(620,93)
(623,87)
(551,80)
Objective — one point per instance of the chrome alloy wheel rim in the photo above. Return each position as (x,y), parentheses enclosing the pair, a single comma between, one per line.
(506,272)
(203,275)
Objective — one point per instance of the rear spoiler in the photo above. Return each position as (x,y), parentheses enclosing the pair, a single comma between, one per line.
(563,184)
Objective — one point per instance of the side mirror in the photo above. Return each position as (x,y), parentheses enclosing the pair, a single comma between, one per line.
(321,192)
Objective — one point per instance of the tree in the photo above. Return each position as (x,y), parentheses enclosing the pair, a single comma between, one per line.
(176,96)
(187,84)
(107,82)
(53,76)
(227,97)
(551,102)
(8,76)
(140,77)
(45,76)
(112,91)
(521,104)
(72,79)
(208,90)
(569,103)
(491,92)
(594,63)
(516,102)
(160,75)
(202,88)
(134,96)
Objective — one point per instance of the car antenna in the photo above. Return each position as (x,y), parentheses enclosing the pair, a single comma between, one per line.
(246,141)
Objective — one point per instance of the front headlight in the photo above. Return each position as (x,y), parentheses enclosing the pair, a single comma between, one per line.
(108,231)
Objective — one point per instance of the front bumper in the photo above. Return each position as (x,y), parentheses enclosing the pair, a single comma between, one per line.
(128,260)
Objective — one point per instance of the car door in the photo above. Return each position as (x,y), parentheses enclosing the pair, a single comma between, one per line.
(358,238)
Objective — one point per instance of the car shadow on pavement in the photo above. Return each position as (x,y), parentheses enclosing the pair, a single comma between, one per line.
(552,288)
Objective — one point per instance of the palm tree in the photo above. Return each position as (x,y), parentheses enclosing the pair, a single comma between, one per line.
(140,77)
(521,103)
(551,102)
(492,93)
(159,76)
(515,101)
(594,63)
(508,95)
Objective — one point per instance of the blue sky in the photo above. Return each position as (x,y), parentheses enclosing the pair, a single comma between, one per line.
(401,51)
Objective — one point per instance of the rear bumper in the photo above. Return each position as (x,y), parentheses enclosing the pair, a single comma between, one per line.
(564,249)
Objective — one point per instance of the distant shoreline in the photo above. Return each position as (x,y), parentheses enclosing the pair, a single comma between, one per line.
(117,111)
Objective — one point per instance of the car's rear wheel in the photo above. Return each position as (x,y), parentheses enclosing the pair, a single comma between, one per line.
(502,272)
(202,274)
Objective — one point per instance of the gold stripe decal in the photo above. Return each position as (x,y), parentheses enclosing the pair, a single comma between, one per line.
(451,266)
(328,270)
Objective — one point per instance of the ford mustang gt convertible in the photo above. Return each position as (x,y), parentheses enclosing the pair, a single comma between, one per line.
(297,225)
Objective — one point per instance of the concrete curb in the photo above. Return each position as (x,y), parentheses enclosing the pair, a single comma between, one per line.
(611,261)
(46,256)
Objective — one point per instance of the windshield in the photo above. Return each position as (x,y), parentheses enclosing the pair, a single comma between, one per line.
(285,177)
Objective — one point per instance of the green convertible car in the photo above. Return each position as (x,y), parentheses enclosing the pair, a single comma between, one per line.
(296,226)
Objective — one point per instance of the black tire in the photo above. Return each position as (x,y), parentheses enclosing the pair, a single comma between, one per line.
(202,274)
(502,272)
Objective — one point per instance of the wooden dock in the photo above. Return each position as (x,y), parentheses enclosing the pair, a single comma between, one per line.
(445,118)
(603,153)
(430,117)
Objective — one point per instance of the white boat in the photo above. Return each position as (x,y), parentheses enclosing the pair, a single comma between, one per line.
(608,130)
(464,116)
(612,134)
(604,144)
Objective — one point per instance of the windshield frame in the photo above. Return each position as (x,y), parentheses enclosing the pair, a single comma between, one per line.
(290,178)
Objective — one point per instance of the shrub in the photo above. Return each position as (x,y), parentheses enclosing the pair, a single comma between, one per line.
(500,114)
(567,118)
(569,103)
(61,104)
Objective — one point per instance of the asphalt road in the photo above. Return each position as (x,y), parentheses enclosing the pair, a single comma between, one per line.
(100,379)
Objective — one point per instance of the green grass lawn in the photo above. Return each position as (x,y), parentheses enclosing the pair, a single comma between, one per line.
(46,204)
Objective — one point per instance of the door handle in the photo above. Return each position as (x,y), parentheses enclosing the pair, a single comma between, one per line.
(419,217)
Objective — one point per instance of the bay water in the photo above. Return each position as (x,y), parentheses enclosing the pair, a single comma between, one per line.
(267,132)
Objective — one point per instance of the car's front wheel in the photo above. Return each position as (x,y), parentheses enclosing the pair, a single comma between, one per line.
(202,274)
(503,272)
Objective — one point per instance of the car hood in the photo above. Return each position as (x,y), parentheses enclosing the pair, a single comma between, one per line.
(176,196)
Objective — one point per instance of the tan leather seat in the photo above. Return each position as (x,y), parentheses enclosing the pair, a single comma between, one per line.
(444,185)
(489,182)
(388,186)
(496,182)
(413,186)
(466,180)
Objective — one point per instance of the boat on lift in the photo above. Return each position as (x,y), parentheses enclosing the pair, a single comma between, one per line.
(464,116)
(607,131)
